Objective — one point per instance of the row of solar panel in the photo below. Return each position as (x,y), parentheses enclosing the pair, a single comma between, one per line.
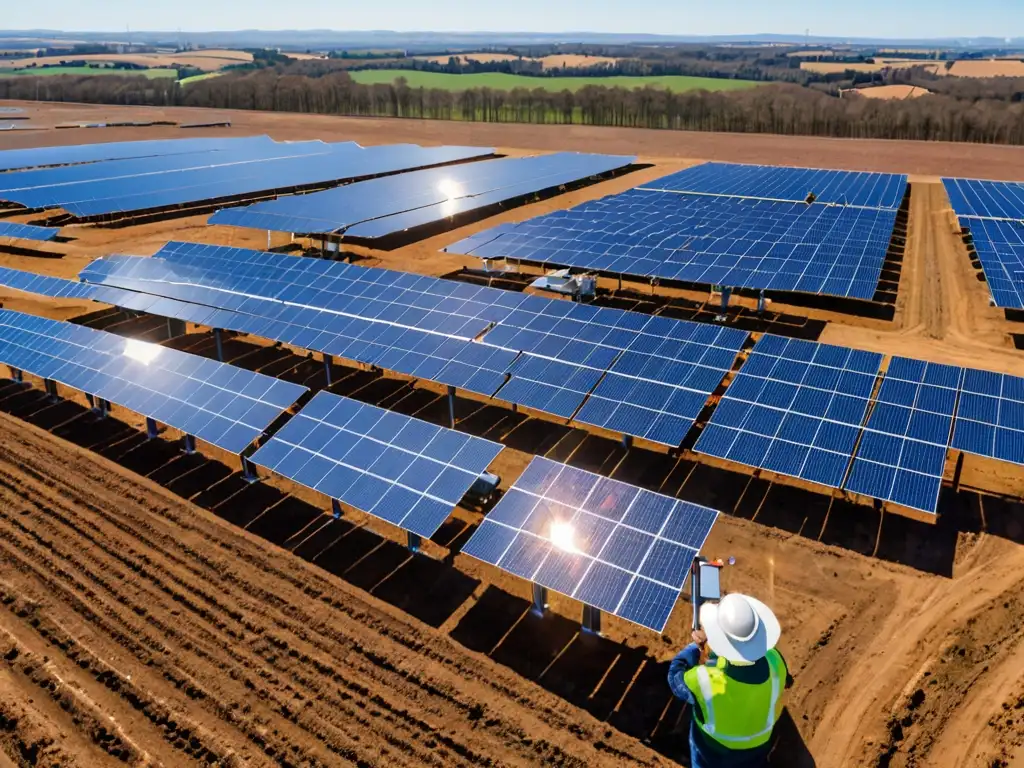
(798,408)
(869,190)
(379,207)
(17,231)
(819,249)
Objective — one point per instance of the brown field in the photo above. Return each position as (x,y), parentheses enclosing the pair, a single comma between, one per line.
(989,68)
(833,67)
(207,60)
(889,92)
(549,62)
(157,610)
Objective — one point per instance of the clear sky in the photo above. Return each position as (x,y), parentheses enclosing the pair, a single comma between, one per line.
(856,18)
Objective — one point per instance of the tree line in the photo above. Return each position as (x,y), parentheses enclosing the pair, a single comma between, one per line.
(773,108)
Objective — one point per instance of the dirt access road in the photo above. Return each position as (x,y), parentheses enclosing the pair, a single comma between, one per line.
(254,630)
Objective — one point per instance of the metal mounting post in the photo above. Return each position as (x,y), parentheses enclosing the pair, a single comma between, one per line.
(591,620)
(175,328)
(412,541)
(190,445)
(451,406)
(336,509)
(104,408)
(91,401)
(328,360)
(17,375)
(219,341)
(627,442)
(760,302)
(152,432)
(249,471)
(51,388)
(540,599)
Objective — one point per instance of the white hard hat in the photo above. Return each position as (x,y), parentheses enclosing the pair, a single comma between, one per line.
(740,628)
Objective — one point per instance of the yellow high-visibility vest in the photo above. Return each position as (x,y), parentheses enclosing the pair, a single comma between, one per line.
(738,715)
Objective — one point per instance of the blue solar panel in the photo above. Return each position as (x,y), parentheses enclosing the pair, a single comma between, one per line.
(282,166)
(902,455)
(394,467)
(381,207)
(16,231)
(44,285)
(225,406)
(871,190)
(1000,247)
(990,416)
(608,544)
(795,408)
(818,249)
(986,199)
(38,157)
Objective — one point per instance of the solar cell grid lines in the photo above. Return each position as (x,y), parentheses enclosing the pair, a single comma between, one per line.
(986,199)
(872,190)
(16,231)
(902,455)
(796,408)
(394,467)
(379,207)
(44,285)
(225,406)
(990,416)
(1000,248)
(610,545)
(818,249)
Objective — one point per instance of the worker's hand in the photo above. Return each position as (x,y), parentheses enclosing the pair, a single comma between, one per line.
(700,637)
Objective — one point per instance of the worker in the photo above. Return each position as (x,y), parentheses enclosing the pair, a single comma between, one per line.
(733,679)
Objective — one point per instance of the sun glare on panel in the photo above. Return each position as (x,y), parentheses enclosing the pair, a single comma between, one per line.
(450,189)
(142,351)
(563,536)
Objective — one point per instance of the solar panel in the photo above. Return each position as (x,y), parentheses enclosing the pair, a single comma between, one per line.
(990,416)
(380,207)
(795,408)
(1000,247)
(220,404)
(44,285)
(16,231)
(902,455)
(986,199)
(872,190)
(608,544)
(394,467)
(778,246)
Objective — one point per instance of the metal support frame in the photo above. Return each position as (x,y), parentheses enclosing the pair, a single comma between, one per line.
(190,445)
(249,471)
(336,509)
(451,406)
(328,361)
(761,302)
(540,599)
(413,541)
(91,401)
(104,408)
(175,328)
(17,375)
(591,623)
(726,295)
(627,442)
(152,430)
(51,389)
(218,339)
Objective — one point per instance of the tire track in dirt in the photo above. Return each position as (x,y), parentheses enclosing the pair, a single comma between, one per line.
(248,650)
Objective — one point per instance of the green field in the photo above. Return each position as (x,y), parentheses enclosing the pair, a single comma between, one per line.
(198,78)
(50,71)
(505,82)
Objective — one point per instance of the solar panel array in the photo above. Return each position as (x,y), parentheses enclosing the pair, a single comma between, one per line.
(16,231)
(870,190)
(223,405)
(394,467)
(610,545)
(990,416)
(528,350)
(380,207)
(44,285)
(993,213)
(796,408)
(818,249)
(261,168)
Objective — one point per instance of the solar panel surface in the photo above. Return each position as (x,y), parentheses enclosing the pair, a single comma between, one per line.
(990,416)
(610,545)
(223,405)
(16,231)
(1000,247)
(44,285)
(795,407)
(819,249)
(902,455)
(394,467)
(380,207)
(986,199)
(873,190)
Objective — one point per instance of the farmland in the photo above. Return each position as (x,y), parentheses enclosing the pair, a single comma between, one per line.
(505,82)
(87,70)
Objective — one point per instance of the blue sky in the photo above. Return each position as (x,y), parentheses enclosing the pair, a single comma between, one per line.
(860,18)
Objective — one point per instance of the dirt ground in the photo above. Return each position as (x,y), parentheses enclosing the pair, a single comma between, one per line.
(158,610)
(889,92)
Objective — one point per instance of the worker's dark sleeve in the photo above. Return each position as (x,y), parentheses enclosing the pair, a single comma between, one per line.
(686,659)
(789,677)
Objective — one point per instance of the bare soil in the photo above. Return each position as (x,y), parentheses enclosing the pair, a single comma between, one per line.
(155,609)
(889,92)
(209,60)
(988,68)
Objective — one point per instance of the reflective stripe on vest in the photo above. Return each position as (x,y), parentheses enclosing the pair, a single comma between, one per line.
(739,727)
